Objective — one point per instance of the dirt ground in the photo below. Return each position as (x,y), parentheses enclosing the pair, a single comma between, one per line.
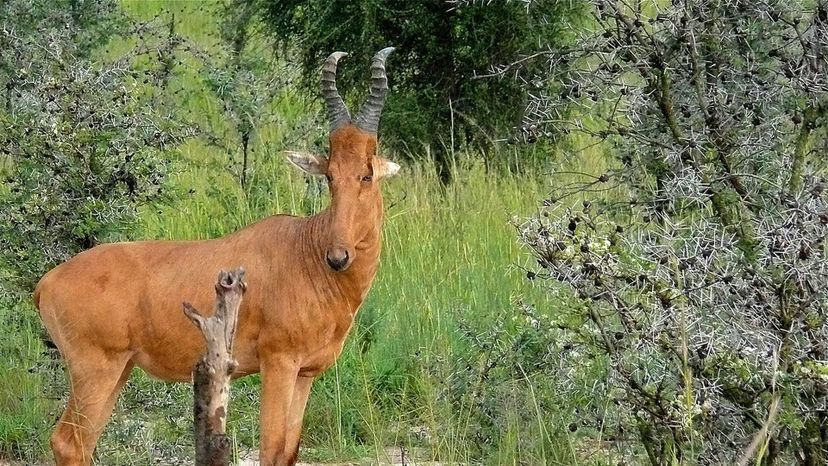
(391,456)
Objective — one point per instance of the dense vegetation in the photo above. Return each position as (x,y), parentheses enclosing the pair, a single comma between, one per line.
(668,306)
(441,48)
(694,267)
(86,147)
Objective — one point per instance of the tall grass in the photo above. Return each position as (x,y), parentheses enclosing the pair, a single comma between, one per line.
(448,251)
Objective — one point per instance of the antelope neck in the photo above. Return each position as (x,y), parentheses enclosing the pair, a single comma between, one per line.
(367,244)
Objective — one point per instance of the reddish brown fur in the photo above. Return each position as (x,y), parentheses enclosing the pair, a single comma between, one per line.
(119,305)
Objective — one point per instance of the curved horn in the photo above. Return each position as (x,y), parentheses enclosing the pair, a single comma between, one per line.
(337,112)
(369,114)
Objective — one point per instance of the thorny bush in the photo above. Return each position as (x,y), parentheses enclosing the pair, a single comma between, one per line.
(246,84)
(694,270)
(80,143)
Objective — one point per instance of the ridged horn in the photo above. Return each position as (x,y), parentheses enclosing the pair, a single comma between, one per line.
(369,114)
(337,112)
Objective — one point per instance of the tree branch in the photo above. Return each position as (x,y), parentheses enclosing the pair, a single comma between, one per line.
(211,376)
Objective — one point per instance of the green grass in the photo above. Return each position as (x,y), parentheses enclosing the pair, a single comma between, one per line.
(447,252)
(449,255)
(26,401)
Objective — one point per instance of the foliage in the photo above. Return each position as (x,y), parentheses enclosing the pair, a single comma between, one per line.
(82,145)
(501,382)
(245,82)
(695,266)
(435,99)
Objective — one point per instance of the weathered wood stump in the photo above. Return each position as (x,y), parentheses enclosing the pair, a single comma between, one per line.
(211,375)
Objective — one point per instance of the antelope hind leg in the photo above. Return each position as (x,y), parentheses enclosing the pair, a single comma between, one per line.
(94,388)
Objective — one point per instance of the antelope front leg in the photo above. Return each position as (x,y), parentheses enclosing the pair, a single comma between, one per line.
(278,383)
(295,415)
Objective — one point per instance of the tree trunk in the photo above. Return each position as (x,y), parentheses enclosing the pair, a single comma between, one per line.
(211,376)
(9,88)
(245,148)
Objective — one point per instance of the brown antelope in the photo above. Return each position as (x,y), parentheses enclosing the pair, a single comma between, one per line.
(117,306)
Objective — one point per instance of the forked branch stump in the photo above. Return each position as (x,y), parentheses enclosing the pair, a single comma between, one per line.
(211,376)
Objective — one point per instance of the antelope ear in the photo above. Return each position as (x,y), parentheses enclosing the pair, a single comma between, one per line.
(308,163)
(385,168)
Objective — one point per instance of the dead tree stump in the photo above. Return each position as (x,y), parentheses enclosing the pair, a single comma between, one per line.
(211,376)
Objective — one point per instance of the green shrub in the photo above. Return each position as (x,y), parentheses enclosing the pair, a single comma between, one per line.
(694,265)
(436,101)
(82,145)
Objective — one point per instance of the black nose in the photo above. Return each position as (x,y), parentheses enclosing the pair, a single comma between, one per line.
(337,260)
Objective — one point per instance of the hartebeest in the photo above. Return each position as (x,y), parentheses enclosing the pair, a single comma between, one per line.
(117,306)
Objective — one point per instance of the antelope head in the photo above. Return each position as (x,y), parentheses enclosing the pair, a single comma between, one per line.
(353,169)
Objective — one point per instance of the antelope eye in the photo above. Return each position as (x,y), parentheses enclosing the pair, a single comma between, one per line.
(366,179)
(328,177)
